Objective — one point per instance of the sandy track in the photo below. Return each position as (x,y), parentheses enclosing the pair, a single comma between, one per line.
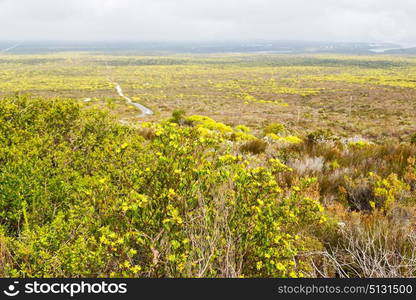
(145,111)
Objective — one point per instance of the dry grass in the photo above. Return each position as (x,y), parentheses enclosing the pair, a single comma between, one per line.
(256,146)
(371,247)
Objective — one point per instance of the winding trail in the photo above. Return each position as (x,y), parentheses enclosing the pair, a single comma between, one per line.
(145,111)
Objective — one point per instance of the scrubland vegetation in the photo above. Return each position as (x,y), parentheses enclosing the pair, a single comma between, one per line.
(252,166)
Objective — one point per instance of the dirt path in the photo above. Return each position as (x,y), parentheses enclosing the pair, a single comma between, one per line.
(145,111)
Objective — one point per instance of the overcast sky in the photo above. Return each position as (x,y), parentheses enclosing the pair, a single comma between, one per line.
(208,20)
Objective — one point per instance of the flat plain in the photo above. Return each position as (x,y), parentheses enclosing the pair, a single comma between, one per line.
(251,165)
(370,96)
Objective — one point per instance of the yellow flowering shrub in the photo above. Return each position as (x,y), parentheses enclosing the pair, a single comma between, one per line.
(82,195)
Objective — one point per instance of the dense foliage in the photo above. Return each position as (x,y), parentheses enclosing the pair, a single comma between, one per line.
(82,195)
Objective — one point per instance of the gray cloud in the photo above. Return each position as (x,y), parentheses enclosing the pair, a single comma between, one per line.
(138,20)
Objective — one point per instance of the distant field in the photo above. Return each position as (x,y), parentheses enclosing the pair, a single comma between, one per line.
(320,182)
(371,96)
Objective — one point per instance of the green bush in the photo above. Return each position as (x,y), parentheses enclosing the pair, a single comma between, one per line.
(275,128)
(319,135)
(374,192)
(82,195)
(178,116)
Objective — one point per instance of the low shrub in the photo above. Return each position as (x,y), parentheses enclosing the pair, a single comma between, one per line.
(178,116)
(413,139)
(319,135)
(255,146)
(374,192)
(84,196)
(275,128)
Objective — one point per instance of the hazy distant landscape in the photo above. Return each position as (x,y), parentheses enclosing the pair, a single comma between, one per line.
(152,48)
